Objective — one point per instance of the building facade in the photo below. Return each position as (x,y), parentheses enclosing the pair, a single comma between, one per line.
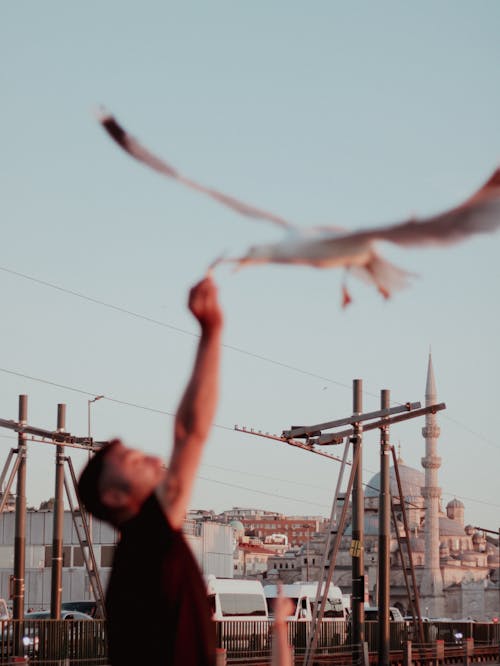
(456,565)
(211,543)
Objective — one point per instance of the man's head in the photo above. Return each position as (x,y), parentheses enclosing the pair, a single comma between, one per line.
(117,481)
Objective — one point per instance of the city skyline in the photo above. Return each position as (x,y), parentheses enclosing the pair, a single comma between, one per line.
(346,115)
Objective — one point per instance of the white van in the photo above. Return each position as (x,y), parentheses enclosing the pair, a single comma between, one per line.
(4,611)
(371,614)
(303,596)
(235,599)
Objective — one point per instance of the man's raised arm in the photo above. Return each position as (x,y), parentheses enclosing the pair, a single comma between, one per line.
(197,408)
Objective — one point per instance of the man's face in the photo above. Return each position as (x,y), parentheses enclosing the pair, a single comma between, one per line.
(131,472)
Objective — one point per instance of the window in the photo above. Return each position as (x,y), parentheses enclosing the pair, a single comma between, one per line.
(242,604)
(78,560)
(66,556)
(107,553)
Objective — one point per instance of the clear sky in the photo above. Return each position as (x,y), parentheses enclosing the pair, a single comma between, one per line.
(353,114)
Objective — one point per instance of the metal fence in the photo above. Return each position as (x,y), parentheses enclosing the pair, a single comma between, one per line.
(83,642)
(252,640)
(68,642)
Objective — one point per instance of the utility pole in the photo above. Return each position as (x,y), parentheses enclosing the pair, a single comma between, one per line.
(384,539)
(357,544)
(315,438)
(58,528)
(61,439)
(20,533)
(308,529)
(89,515)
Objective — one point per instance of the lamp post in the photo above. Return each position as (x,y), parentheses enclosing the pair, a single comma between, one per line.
(308,528)
(89,404)
(89,431)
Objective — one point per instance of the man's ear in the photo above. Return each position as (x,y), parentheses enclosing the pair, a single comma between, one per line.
(115,498)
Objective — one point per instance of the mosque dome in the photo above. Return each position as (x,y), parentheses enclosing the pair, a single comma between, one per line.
(237,527)
(371,525)
(412,482)
(455,504)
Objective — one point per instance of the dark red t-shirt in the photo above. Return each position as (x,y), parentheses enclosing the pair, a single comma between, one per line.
(156,599)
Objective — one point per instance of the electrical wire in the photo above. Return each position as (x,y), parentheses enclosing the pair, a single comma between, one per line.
(239,350)
(172,414)
(177,329)
(261,492)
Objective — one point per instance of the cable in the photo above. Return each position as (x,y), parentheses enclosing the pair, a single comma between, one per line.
(172,327)
(264,476)
(261,492)
(105,397)
(167,413)
(234,348)
(239,350)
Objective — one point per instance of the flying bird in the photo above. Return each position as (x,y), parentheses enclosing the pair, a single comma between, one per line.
(330,247)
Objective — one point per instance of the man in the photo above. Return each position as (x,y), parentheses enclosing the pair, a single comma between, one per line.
(156,599)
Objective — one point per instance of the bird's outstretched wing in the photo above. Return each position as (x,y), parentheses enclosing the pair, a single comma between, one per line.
(478,214)
(140,153)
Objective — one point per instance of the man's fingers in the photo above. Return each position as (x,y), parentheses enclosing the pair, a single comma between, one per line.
(204,304)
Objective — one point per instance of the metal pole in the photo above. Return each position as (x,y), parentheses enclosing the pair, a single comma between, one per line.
(20,528)
(384,538)
(89,515)
(307,552)
(89,421)
(58,524)
(357,546)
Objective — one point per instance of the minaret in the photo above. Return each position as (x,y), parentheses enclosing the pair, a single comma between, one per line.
(431,587)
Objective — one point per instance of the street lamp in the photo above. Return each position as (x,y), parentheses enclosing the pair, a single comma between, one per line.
(308,528)
(89,430)
(89,403)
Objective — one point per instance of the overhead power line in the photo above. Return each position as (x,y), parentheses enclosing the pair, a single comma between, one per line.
(234,348)
(262,492)
(177,329)
(239,350)
(154,410)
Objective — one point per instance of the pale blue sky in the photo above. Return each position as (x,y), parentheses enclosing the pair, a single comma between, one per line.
(327,113)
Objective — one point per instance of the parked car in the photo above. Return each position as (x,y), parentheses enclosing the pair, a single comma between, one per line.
(65,615)
(87,606)
(36,632)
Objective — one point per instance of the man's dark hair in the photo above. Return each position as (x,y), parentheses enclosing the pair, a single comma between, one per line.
(89,483)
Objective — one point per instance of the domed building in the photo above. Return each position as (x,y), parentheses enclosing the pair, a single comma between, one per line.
(456,566)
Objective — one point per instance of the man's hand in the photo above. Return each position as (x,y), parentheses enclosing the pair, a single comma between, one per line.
(196,410)
(204,304)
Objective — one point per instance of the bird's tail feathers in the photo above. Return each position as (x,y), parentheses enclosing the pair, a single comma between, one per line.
(386,276)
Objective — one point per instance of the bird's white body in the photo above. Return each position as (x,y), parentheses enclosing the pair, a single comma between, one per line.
(332,248)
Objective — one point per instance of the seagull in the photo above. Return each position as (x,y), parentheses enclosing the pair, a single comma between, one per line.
(332,247)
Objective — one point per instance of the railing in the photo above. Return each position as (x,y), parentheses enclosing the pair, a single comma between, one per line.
(83,642)
(70,642)
(250,642)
